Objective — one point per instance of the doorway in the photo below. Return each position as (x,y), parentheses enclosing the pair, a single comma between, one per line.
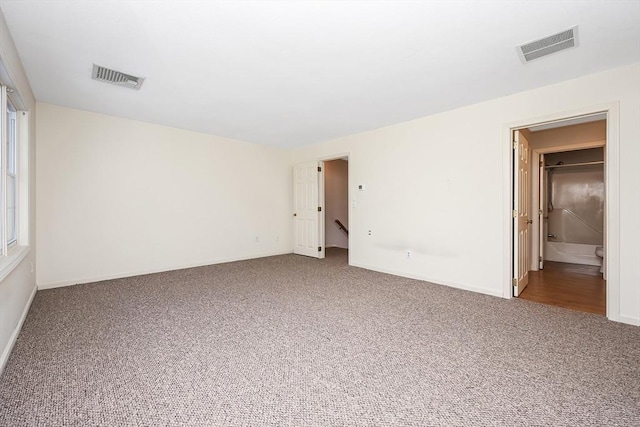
(321,208)
(336,202)
(570,193)
(559,221)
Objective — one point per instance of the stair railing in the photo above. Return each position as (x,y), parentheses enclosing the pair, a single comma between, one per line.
(341,226)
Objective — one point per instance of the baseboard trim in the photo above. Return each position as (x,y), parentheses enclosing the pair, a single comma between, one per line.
(84,280)
(16,332)
(630,320)
(493,293)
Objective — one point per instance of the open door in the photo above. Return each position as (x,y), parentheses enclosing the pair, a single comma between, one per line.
(307,210)
(542,212)
(521,220)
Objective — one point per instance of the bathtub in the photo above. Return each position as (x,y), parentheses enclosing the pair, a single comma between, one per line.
(571,252)
(572,239)
(576,221)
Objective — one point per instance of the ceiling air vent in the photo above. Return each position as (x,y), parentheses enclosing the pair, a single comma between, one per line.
(116,77)
(548,45)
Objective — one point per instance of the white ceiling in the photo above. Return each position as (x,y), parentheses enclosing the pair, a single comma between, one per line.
(291,73)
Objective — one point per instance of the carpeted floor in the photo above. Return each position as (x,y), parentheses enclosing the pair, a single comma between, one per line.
(292,341)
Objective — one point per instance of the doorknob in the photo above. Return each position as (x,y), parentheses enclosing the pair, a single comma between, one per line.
(529,221)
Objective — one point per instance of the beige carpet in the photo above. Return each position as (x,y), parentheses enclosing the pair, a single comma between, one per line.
(292,341)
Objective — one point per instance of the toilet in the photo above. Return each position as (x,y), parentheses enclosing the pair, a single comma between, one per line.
(600,254)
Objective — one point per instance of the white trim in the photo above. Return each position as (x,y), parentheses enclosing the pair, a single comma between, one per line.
(448,284)
(13,259)
(22,192)
(339,156)
(322,160)
(635,321)
(612,179)
(323,212)
(83,280)
(4,134)
(569,122)
(571,147)
(16,332)
(5,79)
(8,250)
(612,212)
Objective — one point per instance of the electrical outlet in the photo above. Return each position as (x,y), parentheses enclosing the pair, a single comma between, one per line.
(409,254)
(369,233)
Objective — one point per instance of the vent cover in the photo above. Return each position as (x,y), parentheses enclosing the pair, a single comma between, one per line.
(548,45)
(116,77)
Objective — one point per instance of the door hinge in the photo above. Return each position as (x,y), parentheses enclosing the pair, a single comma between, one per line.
(515,145)
(514,213)
(539,211)
(319,248)
(319,208)
(319,169)
(514,281)
(539,259)
(540,164)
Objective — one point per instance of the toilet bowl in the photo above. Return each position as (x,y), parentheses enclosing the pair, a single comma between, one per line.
(600,254)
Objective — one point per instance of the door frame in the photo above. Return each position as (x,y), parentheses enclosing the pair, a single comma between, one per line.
(323,187)
(321,198)
(321,190)
(612,201)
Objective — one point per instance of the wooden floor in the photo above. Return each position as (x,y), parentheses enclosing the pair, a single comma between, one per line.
(574,286)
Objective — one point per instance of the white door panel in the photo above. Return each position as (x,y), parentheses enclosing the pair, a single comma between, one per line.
(521,221)
(305,204)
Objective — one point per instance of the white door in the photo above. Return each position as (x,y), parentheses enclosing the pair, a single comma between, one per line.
(542,212)
(306,214)
(521,221)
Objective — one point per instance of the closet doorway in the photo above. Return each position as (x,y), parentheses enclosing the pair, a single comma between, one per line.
(566,218)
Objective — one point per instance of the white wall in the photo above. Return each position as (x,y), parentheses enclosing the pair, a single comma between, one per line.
(17,289)
(436,186)
(336,202)
(118,197)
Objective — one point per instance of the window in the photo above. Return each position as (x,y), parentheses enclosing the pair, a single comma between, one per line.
(12,125)
(11,230)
